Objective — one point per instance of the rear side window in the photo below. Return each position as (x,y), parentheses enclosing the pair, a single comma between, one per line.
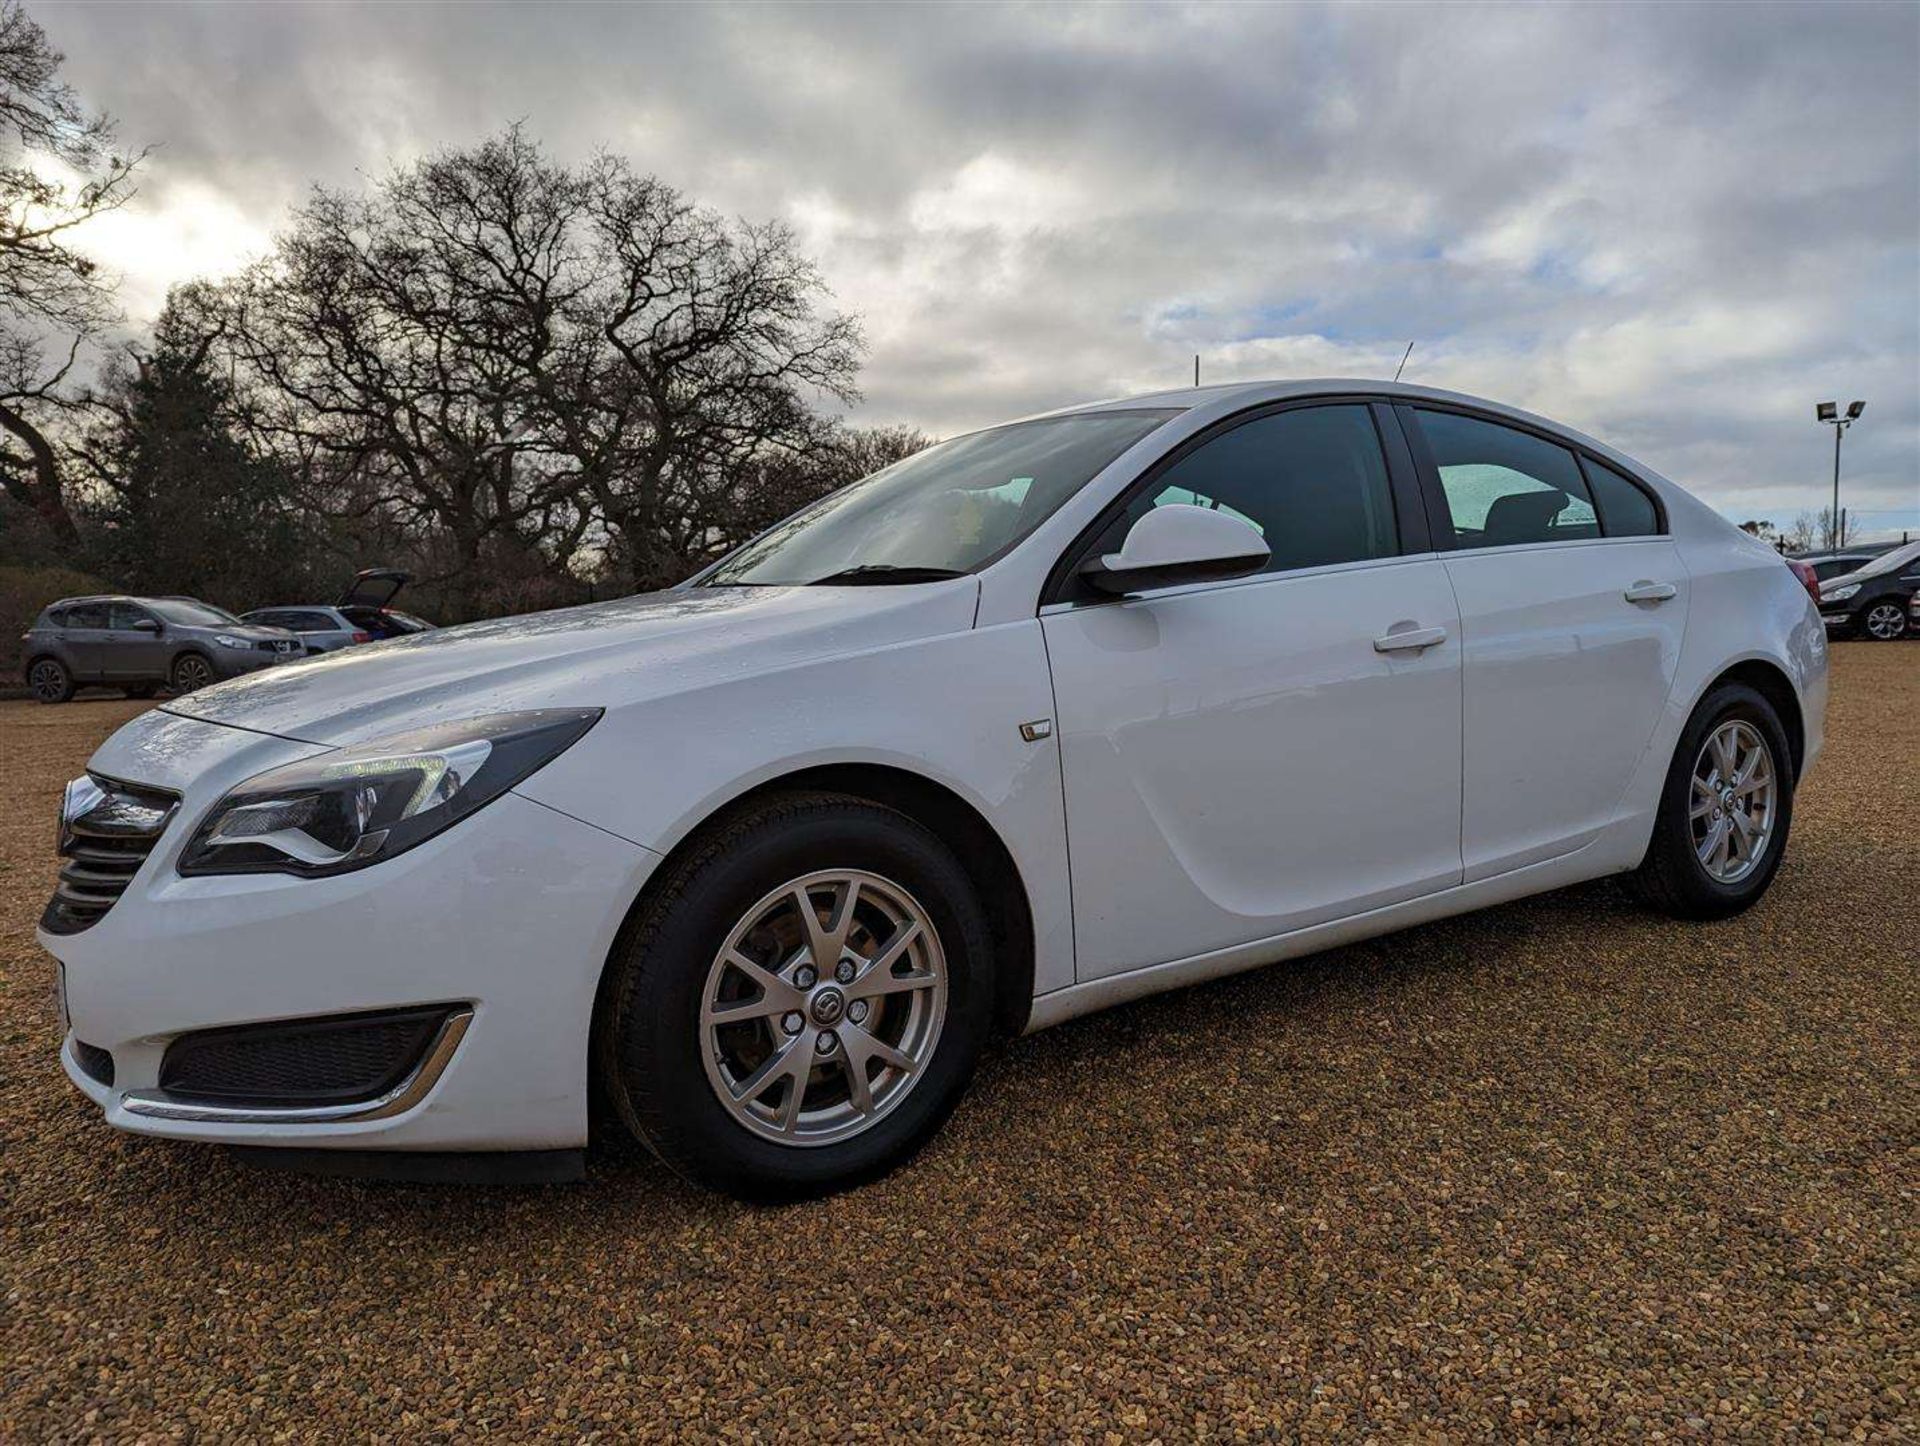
(1625,508)
(1311,480)
(86,615)
(1504,487)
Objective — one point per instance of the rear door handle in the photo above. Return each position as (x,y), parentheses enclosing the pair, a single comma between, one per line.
(1645,591)
(1411,640)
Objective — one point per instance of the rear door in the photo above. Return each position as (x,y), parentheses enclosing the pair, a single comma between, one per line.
(1247,757)
(87,632)
(1573,605)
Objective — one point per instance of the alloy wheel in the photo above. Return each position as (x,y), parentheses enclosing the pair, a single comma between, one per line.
(1886,621)
(191,674)
(48,681)
(1734,802)
(823,1008)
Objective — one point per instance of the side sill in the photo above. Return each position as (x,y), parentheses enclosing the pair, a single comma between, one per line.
(1075,1000)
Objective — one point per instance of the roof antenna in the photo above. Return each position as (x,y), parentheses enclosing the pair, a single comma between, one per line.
(1196,369)
(1403,361)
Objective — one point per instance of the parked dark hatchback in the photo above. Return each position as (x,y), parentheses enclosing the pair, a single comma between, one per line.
(140,644)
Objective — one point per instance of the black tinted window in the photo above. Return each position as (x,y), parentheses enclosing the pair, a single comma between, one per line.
(125,615)
(1625,509)
(1311,481)
(86,615)
(1504,487)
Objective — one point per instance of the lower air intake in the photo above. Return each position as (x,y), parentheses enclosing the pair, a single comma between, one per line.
(340,1059)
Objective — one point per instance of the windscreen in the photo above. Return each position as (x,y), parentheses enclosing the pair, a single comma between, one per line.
(946,510)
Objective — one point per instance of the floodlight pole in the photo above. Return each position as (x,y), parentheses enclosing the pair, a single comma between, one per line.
(1833,516)
(1830,413)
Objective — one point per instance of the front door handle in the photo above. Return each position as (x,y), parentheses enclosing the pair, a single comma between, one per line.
(1646,591)
(1410,640)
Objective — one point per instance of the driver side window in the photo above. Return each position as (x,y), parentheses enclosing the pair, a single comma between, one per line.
(1312,481)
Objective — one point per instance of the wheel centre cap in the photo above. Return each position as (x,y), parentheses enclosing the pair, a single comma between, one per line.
(827,1005)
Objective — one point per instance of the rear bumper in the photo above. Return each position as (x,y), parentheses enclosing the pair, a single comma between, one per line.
(505,920)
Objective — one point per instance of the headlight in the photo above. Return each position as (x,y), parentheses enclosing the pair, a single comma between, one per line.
(226,642)
(349,809)
(1841,594)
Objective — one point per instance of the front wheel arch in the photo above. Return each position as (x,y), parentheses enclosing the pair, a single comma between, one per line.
(996,878)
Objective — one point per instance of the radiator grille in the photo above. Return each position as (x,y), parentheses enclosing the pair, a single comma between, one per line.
(107,829)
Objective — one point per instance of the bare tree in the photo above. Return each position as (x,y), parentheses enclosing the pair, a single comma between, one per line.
(554,363)
(393,338)
(58,170)
(718,350)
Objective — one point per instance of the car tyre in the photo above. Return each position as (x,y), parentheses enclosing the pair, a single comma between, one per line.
(1883,621)
(50,680)
(191,672)
(669,1070)
(1686,872)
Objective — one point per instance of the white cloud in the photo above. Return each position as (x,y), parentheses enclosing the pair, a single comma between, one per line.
(1675,226)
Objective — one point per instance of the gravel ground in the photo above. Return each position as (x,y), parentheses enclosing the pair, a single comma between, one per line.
(1562,1166)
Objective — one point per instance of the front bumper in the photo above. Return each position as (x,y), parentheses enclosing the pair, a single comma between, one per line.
(508,916)
(235,662)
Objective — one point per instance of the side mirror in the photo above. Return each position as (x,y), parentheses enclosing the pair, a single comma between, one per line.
(146,625)
(1178,543)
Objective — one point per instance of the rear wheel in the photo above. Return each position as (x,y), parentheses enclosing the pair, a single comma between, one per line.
(1884,621)
(1725,811)
(801,1003)
(50,680)
(191,672)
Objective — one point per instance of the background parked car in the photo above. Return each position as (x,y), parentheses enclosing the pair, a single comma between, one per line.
(361,615)
(140,644)
(1873,600)
(1828,565)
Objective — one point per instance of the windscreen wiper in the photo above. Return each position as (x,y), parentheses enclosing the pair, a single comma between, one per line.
(883,572)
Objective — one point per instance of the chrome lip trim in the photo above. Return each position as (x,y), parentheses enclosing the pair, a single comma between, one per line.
(398,1100)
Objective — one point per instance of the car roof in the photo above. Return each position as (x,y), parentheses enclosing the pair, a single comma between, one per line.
(1231,396)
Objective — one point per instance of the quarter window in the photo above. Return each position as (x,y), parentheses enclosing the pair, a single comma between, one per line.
(1506,488)
(1311,480)
(1625,508)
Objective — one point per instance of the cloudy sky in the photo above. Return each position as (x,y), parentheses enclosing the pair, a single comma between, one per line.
(1674,227)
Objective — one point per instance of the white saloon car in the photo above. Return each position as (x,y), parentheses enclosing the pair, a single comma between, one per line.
(1044,718)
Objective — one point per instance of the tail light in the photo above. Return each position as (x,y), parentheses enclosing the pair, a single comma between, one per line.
(363,637)
(1808,578)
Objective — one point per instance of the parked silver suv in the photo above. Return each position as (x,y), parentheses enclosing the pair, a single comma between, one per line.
(142,643)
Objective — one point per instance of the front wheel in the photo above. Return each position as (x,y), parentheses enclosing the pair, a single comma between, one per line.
(1724,814)
(801,1002)
(191,673)
(1884,621)
(50,680)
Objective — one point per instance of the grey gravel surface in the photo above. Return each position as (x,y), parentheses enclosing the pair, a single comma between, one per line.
(1563,1167)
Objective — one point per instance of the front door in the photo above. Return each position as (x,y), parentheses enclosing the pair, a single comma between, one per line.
(1250,757)
(1573,606)
(132,654)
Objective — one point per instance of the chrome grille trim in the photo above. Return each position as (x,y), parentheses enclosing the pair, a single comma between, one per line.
(107,830)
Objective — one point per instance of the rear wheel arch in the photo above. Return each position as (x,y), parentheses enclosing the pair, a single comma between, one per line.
(1771,682)
(976,844)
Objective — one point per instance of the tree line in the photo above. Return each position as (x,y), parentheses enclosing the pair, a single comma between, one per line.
(529,382)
